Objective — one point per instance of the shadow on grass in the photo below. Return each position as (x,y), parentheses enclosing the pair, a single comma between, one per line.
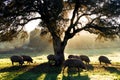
(78,77)
(13,68)
(112,70)
(74,75)
(40,72)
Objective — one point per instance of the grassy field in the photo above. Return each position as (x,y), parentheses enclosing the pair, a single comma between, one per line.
(40,70)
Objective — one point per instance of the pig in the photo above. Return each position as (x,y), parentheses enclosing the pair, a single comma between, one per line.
(73,56)
(53,59)
(104,59)
(74,63)
(85,59)
(27,58)
(18,59)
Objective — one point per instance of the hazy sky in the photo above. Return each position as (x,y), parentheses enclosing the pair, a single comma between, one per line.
(82,41)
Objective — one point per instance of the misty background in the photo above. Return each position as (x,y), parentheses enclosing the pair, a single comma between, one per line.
(33,42)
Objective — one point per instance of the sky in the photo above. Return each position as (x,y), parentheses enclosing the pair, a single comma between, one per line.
(31,25)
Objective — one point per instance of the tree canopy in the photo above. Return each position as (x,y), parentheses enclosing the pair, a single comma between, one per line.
(14,14)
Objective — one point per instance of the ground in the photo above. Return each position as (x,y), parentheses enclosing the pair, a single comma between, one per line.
(40,69)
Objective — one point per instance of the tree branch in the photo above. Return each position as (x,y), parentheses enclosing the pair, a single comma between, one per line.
(105,30)
(72,26)
(28,20)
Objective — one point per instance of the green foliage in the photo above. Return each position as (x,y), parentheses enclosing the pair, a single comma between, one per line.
(15,12)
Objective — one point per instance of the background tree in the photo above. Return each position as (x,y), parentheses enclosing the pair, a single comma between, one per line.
(102,19)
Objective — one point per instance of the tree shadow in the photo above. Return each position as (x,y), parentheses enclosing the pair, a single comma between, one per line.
(40,72)
(12,71)
(70,77)
(112,70)
(73,74)
(13,68)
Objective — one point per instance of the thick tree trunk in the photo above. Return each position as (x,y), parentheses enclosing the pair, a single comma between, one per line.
(58,44)
(58,50)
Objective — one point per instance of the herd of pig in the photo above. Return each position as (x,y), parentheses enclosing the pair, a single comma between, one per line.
(78,62)
(21,59)
(86,59)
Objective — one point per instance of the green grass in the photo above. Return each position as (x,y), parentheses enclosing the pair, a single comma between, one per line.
(40,70)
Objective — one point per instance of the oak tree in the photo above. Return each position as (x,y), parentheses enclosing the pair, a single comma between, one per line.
(102,19)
